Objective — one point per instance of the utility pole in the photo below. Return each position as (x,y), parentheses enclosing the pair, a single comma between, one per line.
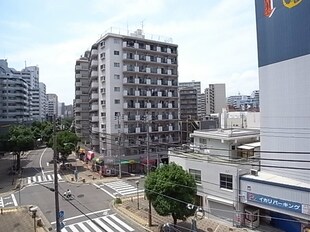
(58,229)
(148,165)
(119,147)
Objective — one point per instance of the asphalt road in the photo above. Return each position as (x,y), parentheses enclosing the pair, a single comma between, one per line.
(90,201)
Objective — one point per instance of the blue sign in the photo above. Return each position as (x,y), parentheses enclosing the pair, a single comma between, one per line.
(288,205)
(61,214)
(283,30)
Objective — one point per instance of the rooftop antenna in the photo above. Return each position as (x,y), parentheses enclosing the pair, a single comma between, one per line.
(25,64)
(142,24)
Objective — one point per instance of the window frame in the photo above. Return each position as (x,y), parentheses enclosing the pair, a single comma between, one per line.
(226,181)
(196,174)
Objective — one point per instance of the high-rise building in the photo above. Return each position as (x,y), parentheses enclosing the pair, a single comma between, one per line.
(133,95)
(31,75)
(43,100)
(188,103)
(215,98)
(244,102)
(201,101)
(52,104)
(81,101)
(14,95)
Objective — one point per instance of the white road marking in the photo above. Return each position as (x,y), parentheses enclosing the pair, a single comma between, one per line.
(72,227)
(40,162)
(104,191)
(14,199)
(29,180)
(113,224)
(103,225)
(49,177)
(47,164)
(79,216)
(92,225)
(39,178)
(1,202)
(84,228)
(122,223)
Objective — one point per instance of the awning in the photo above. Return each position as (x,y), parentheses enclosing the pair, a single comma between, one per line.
(249,146)
(220,200)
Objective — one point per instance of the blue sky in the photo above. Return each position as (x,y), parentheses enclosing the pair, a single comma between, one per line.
(216,39)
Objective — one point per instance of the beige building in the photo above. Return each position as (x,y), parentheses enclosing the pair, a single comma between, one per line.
(215,98)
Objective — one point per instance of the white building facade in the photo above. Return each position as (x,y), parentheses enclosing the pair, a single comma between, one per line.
(133,96)
(215,98)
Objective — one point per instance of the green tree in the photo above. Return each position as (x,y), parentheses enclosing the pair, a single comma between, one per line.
(170,189)
(21,139)
(66,143)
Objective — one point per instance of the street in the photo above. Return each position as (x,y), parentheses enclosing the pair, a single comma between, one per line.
(90,210)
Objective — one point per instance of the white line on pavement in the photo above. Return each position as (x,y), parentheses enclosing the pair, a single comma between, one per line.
(14,200)
(104,191)
(1,202)
(41,163)
(75,217)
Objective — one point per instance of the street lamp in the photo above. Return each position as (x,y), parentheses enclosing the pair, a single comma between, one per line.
(34,210)
(137,183)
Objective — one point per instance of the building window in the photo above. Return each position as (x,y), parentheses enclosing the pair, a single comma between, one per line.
(202,141)
(116,76)
(196,174)
(102,67)
(226,181)
(117,101)
(116,41)
(102,55)
(117,89)
(116,53)
(117,65)
(102,44)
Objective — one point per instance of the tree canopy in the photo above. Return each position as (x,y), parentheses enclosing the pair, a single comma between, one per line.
(66,143)
(170,189)
(21,139)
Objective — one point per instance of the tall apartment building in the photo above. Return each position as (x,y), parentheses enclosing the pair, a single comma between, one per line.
(31,75)
(42,100)
(133,95)
(215,98)
(188,103)
(201,101)
(14,95)
(52,104)
(81,101)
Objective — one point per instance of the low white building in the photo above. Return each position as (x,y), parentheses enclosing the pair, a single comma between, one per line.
(216,161)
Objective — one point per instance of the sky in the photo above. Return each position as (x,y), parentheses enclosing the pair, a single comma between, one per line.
(216,39)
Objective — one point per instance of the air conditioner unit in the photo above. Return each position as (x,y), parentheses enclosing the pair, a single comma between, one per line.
(254,172)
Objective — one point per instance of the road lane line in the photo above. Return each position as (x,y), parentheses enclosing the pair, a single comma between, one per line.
(79,216)
(72,227)
(41,163)
(92,225)
(14,200)
(1,203)
(104,191)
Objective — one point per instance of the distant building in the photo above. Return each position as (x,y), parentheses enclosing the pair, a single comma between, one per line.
(42,100)
(244,102)
(52,104)
(215,98)
(14,95)
(201,101)
(81,101)
(68,112)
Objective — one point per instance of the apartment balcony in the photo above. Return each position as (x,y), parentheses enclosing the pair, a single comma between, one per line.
(94,74)
(94,107)
(95,130)
(94,84)
(78,101)
(94,96)
(94,64)
(78,118)
(78,84)
(94,119)
(94,53)
(78,92)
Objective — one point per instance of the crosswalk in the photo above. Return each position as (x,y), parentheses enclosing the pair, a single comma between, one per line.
(8,201)
(109,223)
(123,188)
(42,178)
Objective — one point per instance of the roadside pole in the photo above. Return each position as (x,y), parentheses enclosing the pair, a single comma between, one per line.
(58,229)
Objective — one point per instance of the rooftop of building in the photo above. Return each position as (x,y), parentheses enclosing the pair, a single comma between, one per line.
(226,134)
(139,34)
(274,179)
